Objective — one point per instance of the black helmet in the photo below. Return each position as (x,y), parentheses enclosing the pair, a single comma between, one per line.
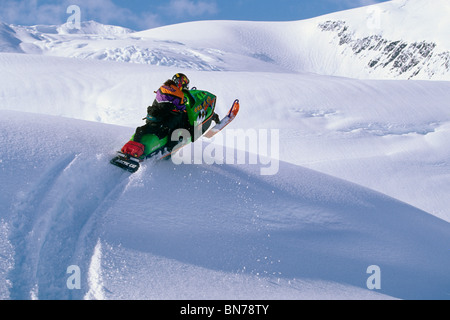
(181,81)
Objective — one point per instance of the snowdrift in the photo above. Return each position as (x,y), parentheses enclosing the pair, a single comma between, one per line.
(169,231)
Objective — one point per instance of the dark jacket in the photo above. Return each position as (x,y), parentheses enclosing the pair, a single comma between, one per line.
(169,100)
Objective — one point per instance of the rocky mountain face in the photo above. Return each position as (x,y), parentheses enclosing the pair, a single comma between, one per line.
(396,56)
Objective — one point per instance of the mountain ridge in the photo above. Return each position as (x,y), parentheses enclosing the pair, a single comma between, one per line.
(365,42)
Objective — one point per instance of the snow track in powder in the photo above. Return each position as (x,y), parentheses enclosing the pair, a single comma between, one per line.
(172,231)
(55,225)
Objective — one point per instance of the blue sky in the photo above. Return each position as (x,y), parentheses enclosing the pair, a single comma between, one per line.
(145,14)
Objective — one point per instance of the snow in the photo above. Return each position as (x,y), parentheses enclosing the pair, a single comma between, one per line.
(383,41)
(358,168)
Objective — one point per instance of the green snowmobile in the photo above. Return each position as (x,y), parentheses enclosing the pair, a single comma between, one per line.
(200,111)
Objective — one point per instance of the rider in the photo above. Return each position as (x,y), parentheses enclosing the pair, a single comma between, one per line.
(168,111)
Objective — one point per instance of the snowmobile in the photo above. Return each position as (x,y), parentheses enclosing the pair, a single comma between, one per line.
(200,113)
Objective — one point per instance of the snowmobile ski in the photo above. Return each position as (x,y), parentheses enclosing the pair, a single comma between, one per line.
(225,120)
(126,162)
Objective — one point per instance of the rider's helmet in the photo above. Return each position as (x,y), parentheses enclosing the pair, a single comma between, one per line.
(181,81)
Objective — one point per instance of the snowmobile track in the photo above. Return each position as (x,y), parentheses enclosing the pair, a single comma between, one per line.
(55,224)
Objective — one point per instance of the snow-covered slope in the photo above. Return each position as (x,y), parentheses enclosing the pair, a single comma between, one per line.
(401,39)
(198,231)
(222,231)
(353,129)
(360,170)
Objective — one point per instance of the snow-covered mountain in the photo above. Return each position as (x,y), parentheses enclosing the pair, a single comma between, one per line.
(360,170)
(8,40)
(400,39)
